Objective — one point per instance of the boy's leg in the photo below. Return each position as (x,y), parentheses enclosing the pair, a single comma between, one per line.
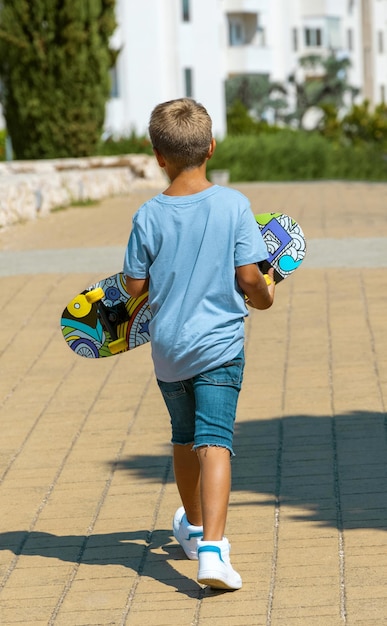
(180,401)
(215,485)
(204,481)
(216,396)
(187,475)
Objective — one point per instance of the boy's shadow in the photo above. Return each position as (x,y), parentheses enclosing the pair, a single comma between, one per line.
(137,550)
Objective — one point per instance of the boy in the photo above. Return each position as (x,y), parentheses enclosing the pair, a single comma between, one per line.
(195,247)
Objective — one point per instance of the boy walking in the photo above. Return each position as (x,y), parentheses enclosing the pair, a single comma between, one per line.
(195,247)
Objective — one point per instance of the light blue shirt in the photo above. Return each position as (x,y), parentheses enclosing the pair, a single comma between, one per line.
(189,247)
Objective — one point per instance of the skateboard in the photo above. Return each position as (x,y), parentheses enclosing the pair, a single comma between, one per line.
(104,320)
(285,242)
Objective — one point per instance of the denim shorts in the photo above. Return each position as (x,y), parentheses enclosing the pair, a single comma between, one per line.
(203,408)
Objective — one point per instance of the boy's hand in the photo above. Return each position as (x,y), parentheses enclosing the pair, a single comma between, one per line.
(270,282)
(259,294)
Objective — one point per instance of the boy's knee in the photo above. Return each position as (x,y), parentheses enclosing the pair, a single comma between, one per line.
(205,449)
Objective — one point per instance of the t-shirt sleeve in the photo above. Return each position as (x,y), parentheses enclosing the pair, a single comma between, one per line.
(136,260)
(250,246)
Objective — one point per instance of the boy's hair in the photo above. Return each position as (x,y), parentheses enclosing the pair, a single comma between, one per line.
(181,131)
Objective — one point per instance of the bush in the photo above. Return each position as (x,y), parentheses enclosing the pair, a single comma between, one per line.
(240,122)
(286,155)
(125,145)
(360,162)
(362,125)
(296,155)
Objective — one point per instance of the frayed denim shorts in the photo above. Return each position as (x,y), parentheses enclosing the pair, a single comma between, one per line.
(202,409)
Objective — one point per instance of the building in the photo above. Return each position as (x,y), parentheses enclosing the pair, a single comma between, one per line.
(175,48)
(169,49)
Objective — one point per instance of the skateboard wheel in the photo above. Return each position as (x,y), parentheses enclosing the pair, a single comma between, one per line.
(79,306)
(95,295)
(118,346)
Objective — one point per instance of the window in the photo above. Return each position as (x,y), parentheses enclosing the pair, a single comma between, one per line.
(313,37)
(236,32)
(350,39)
(295,39)
(188,88)
(114,88)
(260,38)
(185,10)
(380,42)
(333,30)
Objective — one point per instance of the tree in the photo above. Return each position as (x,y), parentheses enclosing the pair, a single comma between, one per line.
(54,67)
(261,97)
(239,122)
(325,85)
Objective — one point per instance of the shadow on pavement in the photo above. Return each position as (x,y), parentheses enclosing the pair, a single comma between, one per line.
(332,471)
(133,549)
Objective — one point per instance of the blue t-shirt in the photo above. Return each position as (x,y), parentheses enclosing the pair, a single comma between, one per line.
(189,247)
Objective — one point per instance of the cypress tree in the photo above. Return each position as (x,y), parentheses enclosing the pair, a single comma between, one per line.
(54,68)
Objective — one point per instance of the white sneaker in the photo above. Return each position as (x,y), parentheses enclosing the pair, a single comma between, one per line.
(215,568)
(186,534)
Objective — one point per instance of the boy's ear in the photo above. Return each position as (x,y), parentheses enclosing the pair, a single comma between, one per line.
(211,148)
(159,157)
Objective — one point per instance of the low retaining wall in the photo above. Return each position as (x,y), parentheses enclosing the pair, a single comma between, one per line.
(32,188)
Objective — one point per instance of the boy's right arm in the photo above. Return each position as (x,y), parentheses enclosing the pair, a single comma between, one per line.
(136,287)
(253,284)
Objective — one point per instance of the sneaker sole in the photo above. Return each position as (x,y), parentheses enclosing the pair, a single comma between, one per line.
(212,580)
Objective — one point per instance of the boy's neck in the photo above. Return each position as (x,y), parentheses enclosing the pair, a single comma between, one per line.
(187,182)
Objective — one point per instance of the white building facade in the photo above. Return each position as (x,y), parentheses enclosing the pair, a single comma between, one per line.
(175,48)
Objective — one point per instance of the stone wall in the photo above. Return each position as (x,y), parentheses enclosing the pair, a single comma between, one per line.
(32,188)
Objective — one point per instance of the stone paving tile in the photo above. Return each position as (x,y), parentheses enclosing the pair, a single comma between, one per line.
(86,481)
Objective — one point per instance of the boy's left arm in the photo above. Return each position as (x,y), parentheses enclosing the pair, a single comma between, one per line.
(136,287)
(260,294)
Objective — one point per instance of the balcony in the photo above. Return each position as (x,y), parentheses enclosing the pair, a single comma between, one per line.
(248,59)
(247,51)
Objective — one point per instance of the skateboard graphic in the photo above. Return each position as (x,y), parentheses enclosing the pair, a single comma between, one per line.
(285,244)
(105,320)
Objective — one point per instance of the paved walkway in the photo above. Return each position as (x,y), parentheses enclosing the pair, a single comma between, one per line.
(86,485)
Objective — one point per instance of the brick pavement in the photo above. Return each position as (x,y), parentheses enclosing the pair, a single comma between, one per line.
(86,486)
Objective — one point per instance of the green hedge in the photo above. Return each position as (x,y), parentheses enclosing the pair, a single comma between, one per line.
(129,144)
(297,155)
(281,156)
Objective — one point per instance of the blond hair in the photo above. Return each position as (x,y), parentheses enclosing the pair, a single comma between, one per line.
(181,131)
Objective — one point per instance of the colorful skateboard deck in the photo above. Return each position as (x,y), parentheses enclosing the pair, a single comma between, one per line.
(104,320)
(285,243)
